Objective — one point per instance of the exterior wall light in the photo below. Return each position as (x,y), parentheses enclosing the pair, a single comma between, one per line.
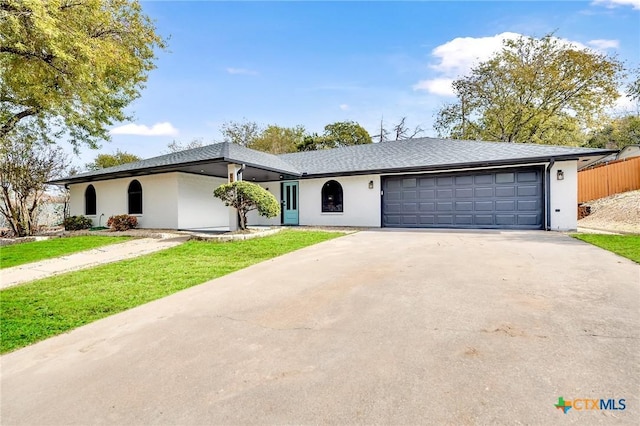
(370,184)
(560,175)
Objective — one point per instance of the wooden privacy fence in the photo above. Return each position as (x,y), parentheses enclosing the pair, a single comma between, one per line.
(616,177)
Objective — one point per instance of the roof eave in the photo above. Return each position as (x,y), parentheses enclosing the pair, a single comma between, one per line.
(468,165)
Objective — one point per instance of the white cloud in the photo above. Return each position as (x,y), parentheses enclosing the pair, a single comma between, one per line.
(158,129)
(614,3)
(344,107)
(437,86)
(241,71)
(460,54)
(602,44)
(456,57)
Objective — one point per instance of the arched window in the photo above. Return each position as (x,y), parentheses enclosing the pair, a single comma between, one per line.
(90,201)
(135,197)
(332,197)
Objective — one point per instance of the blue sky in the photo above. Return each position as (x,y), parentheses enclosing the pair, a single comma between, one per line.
(314,63)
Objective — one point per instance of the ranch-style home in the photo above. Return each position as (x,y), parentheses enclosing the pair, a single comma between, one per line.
(417,183)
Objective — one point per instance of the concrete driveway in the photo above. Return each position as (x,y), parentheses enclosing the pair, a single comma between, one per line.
(392,327)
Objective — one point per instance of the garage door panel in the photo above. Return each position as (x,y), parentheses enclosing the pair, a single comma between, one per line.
(509,198)
(528,205)
(427,182)
(427,207)
(484,219)
(464,192)
(427,194)
(464,180)
(427,219)
(528,219)
(444,193)
(465,219)
(485,206)
(444,206)
(464,206)
(505,191)
(483,179)
(505,219)
(483,192)
(444,219)
(409,207)
(505,178)
(444,181)
(528,190)
(505,205)
(527,176)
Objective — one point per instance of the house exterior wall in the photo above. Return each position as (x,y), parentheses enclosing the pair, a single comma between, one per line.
(253,218)
(564,197)
(197,207)
(361,204)
(159,200)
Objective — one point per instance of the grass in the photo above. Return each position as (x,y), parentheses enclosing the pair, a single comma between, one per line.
(625,245)
(51,306)
(19,254)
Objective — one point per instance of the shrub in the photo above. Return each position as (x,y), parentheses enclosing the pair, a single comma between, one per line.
(247,196)
(76,223)
(122,222)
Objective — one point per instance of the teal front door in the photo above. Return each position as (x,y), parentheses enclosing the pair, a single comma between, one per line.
(290,203)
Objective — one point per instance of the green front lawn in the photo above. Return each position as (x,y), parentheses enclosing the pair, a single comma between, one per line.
(19,254)
(624,245)
(51,306)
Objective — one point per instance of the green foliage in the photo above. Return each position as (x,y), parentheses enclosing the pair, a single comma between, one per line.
(19,254)
(176,146)
(533,90)
(45,308)
(625,245)
(122,222)
(243,132)
(71,66)
(344,133)
(247,196)
(278,140)
(103,161)
(77,223)
(619,133)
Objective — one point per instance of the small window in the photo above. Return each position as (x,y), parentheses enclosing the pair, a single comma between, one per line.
(332,197)
(90,201)
(135,197)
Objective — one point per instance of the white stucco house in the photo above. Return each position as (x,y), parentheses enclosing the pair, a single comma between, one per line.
(417,183)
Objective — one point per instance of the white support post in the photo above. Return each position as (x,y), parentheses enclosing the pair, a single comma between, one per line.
(232,176)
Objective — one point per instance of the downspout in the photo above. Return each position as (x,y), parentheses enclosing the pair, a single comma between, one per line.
(548,191)
(239,172)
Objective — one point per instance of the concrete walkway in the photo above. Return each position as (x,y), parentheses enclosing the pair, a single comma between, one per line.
(86,259)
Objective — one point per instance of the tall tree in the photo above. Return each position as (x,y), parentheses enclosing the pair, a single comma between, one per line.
(71,66)
(533,90)
(617,134)
(279,140)
(103,161)
(242,132)
(345,133)
(176,146)
(26,163)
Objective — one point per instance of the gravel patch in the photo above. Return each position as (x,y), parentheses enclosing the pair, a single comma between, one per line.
(616,213)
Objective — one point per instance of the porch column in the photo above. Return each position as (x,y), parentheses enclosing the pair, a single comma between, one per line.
(232,176)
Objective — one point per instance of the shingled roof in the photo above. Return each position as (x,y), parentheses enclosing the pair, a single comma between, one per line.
(428,153)
(393,156)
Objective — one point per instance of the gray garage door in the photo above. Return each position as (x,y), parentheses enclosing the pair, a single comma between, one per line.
(504,199)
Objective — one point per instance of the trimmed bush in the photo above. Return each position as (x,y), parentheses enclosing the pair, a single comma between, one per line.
(122,222)
(77,223)
(247,196)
